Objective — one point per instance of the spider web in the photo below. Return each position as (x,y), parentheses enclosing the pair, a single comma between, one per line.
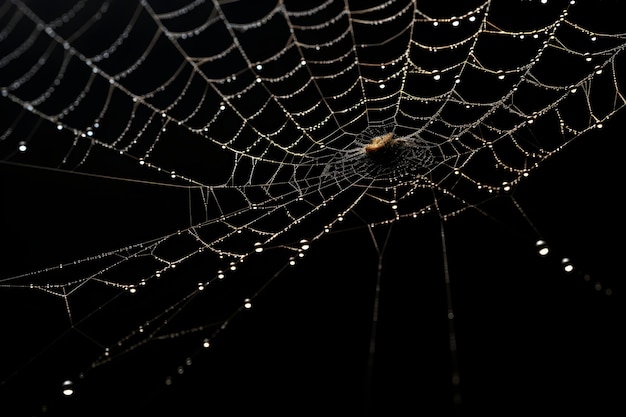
(265,128)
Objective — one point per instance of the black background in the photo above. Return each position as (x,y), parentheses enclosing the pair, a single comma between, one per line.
(530,337)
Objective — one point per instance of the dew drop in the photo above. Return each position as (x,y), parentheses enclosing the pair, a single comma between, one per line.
(542,247)
(567,265)
(258,248)
(67,388)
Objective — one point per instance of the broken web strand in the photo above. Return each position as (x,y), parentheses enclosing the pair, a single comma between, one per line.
(569,267)
(369,378)
(455,377)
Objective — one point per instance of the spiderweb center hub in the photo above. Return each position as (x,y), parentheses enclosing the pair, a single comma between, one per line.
(383,155)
